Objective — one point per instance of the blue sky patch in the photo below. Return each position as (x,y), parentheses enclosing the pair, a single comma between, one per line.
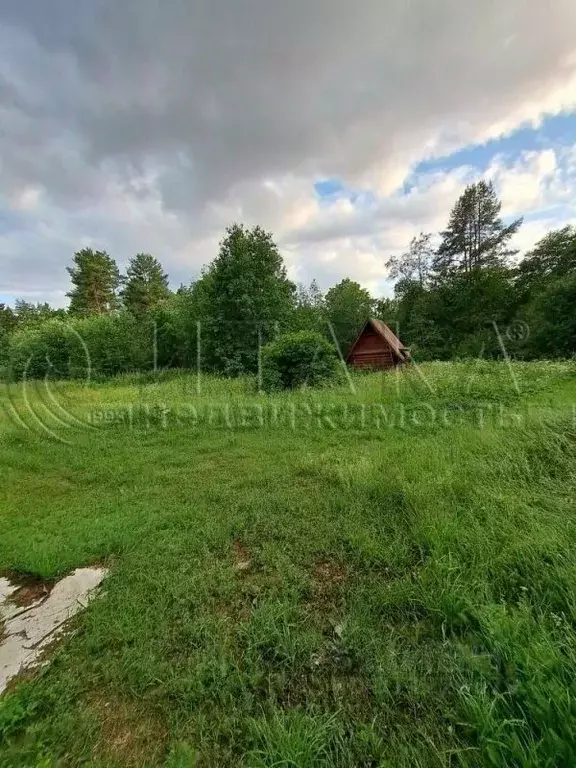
(556,131)
(329,189)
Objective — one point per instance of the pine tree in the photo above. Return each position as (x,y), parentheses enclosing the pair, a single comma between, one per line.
(29,315)
(146,284)
(476,237)
(95,278)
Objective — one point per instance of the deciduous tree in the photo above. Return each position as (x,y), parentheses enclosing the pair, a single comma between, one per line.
(8,319)
(552,257)
(309,309)
(416,262)
(552,319)
(348,306)
(249,298)
(28,314)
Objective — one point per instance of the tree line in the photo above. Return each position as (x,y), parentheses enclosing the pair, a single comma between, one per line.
(469,296)
(457,294)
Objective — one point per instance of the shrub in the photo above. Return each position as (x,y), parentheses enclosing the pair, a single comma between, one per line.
(38,352)
(4,347)
(298,359)
(99,345)
(175,338)
(552,320)
(107,345)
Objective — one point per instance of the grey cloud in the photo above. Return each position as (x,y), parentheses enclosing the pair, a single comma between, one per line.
(209,98)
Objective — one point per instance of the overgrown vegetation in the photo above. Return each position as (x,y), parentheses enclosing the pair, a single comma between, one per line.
(297,360)
(376,573)
(460,294)
(380,574)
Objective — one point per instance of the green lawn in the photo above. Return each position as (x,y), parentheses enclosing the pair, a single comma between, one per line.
(381,574)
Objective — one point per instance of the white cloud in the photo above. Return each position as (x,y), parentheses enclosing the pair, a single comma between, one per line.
(530,184)
(359,241)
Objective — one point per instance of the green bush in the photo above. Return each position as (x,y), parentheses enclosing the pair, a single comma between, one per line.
(106,345)
(100,346)
(175,336)
(37,352)
(298,359)
(4,347)
(552,320)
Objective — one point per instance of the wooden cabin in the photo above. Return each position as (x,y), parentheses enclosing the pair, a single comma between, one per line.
(377,347)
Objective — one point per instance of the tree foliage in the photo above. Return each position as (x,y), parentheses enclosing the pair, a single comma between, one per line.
(8,319)
(298,359)
(551,319)
(31,315)
(8,322)
(106,345)
(145,286)
(309,312)
(476,236)
(416,262)
(95,279)
(37,352)
(248,299)
(465,306)
(348,306)
(83,347)
(387,310)
(553,257)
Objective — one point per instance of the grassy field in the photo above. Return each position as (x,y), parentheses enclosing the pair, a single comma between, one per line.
(379,574)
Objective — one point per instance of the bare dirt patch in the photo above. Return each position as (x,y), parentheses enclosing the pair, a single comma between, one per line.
(324,602)
(242,557)
(328,575)
(29,589)
(131,734)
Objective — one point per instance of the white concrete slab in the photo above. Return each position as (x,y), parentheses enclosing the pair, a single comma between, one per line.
(28,630)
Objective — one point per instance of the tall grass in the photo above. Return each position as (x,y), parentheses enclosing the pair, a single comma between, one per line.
(324,594)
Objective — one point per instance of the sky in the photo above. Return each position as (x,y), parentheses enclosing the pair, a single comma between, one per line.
(344,128)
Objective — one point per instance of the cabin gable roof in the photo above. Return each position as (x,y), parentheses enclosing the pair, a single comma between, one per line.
(382,330)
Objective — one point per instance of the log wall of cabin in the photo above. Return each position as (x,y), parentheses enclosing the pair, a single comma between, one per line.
(372,351)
